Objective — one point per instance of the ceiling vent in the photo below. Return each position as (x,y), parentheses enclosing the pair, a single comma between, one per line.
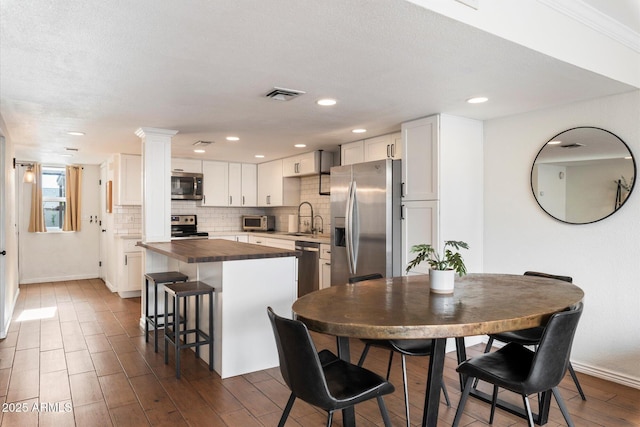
(282,94)
(574,145)
(70,149)
(202,143)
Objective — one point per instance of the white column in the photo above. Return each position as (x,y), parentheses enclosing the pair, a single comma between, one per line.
(156,183)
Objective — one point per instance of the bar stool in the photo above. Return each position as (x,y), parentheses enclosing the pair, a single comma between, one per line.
(152,319)
(172,331)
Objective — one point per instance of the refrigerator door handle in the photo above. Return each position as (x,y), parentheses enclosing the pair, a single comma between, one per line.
(349,228)
(355,229)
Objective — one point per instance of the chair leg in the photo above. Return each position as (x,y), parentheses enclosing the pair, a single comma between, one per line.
(577,383)
(364,354)
(494,399)
(287,409)
(463,401)
(383,412)
(389,365)
(527,407)
(406,388)
(329,418)
(563,407)
(446,394)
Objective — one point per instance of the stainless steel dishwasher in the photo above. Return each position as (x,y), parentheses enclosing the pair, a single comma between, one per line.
(308,267)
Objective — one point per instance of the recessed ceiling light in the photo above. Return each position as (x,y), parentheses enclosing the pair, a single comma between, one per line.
(326,102)
(232,138)
(359,130)
(300,145)
(65,155)
(199,150)
(554,142)
(477,100)
(259,156)
(75,133)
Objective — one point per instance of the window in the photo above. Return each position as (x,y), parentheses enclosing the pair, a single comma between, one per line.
(54,196)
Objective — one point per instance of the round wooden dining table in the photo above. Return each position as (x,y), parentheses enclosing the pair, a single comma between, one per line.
(404,308)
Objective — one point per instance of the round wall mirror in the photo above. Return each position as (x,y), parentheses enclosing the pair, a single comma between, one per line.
(583,175)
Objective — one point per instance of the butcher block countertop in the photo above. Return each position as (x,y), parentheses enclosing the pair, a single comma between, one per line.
(215,250)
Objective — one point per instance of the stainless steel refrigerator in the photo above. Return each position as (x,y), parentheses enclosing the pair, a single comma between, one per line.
(365,220)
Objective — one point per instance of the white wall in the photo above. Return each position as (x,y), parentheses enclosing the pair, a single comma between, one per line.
(57,256)
(601,257)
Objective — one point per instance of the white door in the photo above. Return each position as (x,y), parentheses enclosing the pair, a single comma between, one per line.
(3,285)
(102,223)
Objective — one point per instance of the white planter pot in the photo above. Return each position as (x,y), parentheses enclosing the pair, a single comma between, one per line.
(441,281)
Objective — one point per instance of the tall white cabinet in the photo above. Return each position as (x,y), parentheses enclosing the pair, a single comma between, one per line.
(442,186)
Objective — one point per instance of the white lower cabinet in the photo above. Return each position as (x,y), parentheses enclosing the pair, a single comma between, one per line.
(275,243)
(325,266)
(419,226)
(239,238)
(130,274)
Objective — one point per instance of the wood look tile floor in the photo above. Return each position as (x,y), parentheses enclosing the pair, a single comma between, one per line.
(75,355)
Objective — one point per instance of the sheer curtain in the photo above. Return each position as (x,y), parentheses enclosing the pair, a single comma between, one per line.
(73,210)
(36,220)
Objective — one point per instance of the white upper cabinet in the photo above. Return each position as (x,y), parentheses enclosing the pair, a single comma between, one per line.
(127,190)
(274,189)
(186,165)
(420,165)
(215,183)
(307,164)
(249,185)
(377,148)
(352,152)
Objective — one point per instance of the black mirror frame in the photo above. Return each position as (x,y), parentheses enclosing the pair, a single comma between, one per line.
(635,172)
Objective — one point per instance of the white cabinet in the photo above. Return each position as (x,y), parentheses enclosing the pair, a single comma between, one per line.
(419,226)
(127,188)
(381,147)
(420,166)
(243,184)
(352,152)
(215,183)
(325,266)
(186,165)
(273,242)
(310,163)
(442,178)
(274,189)
(130,269)
(234,238)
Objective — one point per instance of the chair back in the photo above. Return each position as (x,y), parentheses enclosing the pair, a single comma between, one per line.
(299,362)
(549,276)
(551,360)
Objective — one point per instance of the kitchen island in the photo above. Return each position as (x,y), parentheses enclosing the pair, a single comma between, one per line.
(246,279)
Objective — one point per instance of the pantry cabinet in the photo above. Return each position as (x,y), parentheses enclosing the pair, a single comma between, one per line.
(442,178)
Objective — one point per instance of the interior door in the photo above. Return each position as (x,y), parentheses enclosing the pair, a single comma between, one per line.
(102,256)
(3,252)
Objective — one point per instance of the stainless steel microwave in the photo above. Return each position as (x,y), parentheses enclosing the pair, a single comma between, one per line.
(258,222)
(186,186)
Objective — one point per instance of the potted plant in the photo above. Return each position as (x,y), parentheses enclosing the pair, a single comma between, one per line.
(443,267)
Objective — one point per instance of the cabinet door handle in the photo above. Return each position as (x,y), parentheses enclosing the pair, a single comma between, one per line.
(125,260)
(402,194)
(242,200)
(388,151)
(204,199)
(401,212)
(393,150)
(231,200)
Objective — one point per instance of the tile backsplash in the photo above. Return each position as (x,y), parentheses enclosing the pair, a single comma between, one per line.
(128,219)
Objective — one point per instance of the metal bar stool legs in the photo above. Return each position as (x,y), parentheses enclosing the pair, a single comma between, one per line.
(152,319)
(178,337)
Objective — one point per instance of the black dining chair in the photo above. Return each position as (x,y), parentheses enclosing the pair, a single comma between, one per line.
(404,347)
(322,379)
(532,336)
(523,371)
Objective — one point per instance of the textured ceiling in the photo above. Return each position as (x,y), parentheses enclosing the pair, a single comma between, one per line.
(202,67)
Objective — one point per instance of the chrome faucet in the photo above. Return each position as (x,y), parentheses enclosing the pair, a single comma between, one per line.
(309,224)
(318,229)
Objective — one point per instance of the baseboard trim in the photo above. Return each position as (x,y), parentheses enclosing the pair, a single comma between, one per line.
(57,279)
(605,374)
